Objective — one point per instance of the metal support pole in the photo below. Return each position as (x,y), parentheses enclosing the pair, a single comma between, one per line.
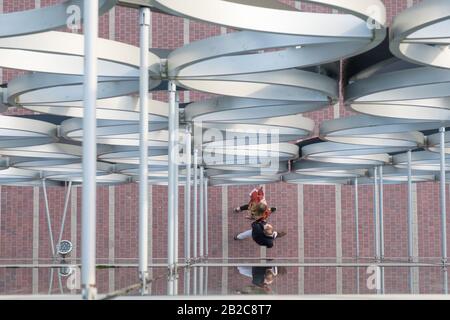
(381,224)
(375,213)
(443,209)
(201,213)
(49,222)
(66,205)
(195,210)
(143,147)
(50,233)
(202,225)
(187,208)
(410,221)
(176,188)
(206,211)
(61,231)
(88,217)
(171,187)
(357,231)
(376,224)
(381,213)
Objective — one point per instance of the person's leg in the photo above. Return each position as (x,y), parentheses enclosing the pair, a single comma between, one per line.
(241,208)
(245,271)
(244,235)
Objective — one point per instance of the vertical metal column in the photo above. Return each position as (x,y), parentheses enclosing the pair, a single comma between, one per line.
(187,208)
(375,213)
(202,225)
(410,222)
(143,145)
(381,224)
(381,213)
(206,211)
(50,233)
(376,223)
(195,209)
(61,230)
(66,206)
(443,209)
(176,188)
(49,222)
(357,232)
(171,187)
(88,217)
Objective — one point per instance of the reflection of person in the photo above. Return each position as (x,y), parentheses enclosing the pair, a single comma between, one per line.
(262,233)
(256,197)
(262,278)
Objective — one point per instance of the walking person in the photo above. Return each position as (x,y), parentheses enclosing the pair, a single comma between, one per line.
(262,232)
(257,196)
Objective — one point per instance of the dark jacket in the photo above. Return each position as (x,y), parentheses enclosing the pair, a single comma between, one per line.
(259,236)
(259,275)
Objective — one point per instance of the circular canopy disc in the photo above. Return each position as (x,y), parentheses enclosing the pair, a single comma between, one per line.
(231,109)
(421,160)
(376,131)
(296,178)
(22,132)
(421,34)
(43,19)
(125,108)
(120,133)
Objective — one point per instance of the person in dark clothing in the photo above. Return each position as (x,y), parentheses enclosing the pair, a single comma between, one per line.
(262,278)
(261,232)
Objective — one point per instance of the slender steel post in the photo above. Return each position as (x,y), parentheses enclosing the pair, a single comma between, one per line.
(376,224)
(375,213)
(49,222)
(201,213)
(171,187)
(50,233)
(381,213)
(202,225)
(443,209)
(66,205)
(410,221)
(206,211)
(61,230)
(176,188)
(357,231)
(187,208)
(381,224)
(143,147)
(88,217)
(195,209)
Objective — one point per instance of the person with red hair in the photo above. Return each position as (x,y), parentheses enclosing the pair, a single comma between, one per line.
(256,197)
